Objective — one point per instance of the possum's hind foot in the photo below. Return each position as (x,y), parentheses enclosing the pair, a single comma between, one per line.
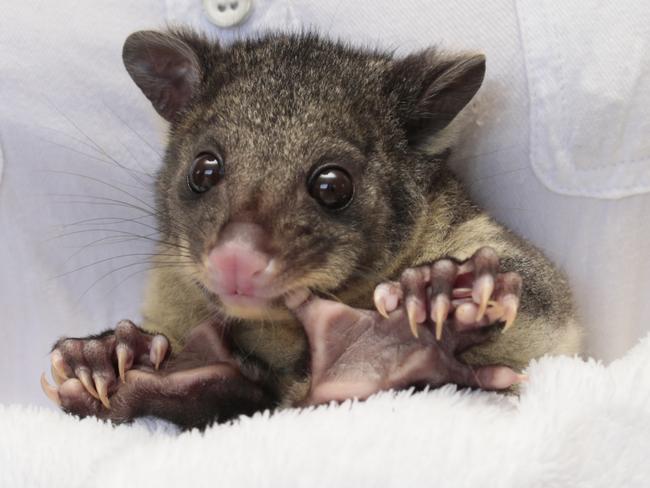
(469,294)
(96,361)
(355,353)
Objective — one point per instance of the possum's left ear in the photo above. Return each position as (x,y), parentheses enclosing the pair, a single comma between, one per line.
(431,89)
(165,67)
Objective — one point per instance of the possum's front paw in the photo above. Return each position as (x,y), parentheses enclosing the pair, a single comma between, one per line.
(469,294)
(355,353)
(201,384)
(96,361)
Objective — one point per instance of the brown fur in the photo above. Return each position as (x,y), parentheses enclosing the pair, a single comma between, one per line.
(277,106)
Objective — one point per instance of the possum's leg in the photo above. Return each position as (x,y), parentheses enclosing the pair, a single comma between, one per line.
(355,353)
(201,384)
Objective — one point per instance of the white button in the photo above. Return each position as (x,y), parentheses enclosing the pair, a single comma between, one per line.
(227,13)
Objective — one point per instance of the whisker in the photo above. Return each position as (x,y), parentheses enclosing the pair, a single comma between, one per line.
(102,241)
(109,220)
(71,149)
(64,133)
(111,258)
(148,209)
(124,122)
(94,143)
(105,275)
(131,275)
(169,244)
(102,182)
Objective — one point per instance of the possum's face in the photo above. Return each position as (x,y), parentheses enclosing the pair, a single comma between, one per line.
(292,161)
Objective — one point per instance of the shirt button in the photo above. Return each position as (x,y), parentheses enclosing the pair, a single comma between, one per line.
(227,13)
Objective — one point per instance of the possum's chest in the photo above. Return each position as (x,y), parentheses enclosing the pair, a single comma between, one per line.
(278,352)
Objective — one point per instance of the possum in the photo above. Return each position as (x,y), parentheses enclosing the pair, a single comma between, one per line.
(314,245)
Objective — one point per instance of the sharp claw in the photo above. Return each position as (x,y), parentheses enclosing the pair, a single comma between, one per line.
(102,390)
(51,392)
(522,378)
(411,310)
(57,376)
(159,345)
(510,304)
(440,322)
(380,306)
(439,313)
(58,364)
(86,380)
(386,299)
(481,293)
(122,359)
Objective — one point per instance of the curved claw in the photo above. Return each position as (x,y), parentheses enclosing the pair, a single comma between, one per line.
(386,298)
(102,390)
(481,293)
(122,361)
(159,346)
(49,390)
(379,300)
(411,311)
(381,307)
(58,379)
(84,376)
(58,365)
(439,312)
(510,304)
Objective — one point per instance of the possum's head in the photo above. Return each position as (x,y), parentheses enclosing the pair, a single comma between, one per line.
(293,161)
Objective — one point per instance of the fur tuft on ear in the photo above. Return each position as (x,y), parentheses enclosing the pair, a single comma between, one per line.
(165,68)
(431,89)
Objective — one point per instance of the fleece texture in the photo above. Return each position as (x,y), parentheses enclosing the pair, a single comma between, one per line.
(576,424)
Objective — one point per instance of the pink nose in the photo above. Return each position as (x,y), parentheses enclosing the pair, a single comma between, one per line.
(237,264)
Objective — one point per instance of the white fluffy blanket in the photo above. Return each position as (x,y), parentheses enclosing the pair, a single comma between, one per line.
(577,424)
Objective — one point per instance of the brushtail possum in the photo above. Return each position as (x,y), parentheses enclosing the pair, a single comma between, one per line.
(313,244)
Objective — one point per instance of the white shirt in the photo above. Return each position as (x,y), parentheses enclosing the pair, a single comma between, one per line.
(558,150)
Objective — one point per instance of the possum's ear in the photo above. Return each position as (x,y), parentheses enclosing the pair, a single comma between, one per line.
(166,69)
(431,89)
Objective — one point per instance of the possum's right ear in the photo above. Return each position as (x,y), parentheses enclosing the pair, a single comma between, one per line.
(165,68)
(431,88)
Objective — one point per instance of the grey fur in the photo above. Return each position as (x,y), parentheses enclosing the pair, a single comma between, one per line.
(278,106)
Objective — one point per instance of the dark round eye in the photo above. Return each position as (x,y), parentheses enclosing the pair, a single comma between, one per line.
(205,172)
(331,186)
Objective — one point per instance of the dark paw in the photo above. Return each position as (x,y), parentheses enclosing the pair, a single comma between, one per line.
(467,295)
(201,384)
(95,363)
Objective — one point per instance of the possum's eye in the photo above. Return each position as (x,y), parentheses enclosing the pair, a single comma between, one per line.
(206,171)
(331,186)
